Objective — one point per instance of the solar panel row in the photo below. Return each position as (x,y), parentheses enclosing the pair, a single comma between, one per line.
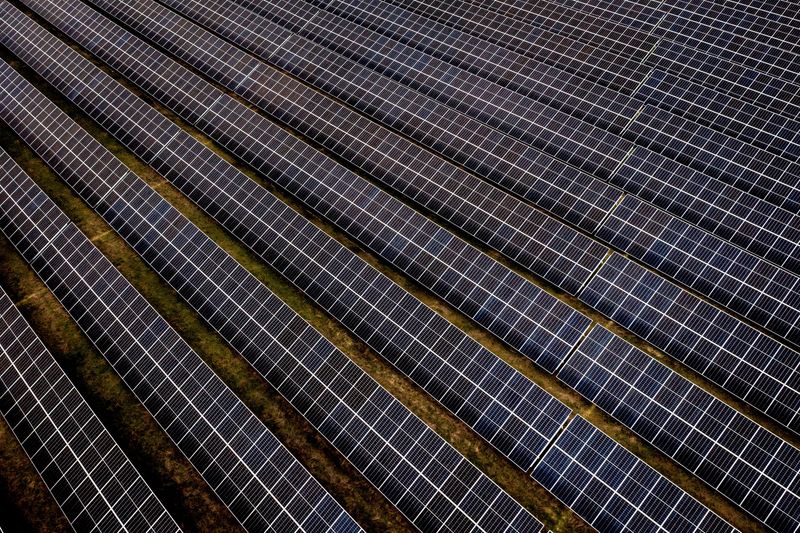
(754,468)
(614,491)
(591,62)
(751,49)
(91,479)
(414,70)
(732,215)
(538,125)
(775,18)
(438,356)
(426,478)
(724,158)
(483,150)
(728,77)
(552,86)
(730,276)
(557,19)
(644,15)
(741,120)
(745,362)
(253,474)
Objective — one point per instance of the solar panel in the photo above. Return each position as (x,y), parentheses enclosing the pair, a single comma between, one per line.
(742,360)
(777,18)
(591,26)
(92,480)
(730,160)
(435,354)
(734,216)
(644,15)
(567,138)
(613,490)
(253,474)
(591,62)
(732,277)
(752,467)
(429,481)
(728,77)
(557,88)
(535,241)
(750,48)
(497,158)
(741,120)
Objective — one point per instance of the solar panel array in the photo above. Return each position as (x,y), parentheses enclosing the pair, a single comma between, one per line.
(668,131)
(613,490)
(497,158)
(253,474)
(510,411)
(93,482)
(429,481)
(454,270)
(741,282)
(745,362)
(751,466)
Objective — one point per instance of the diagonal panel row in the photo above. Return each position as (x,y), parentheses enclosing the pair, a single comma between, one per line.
(253,474)
(553,132)
(461,374)
(727,77)
(426,478)
(513,165)
(590,62)
(91,479)
(613,490)
(550,85)
(732,277)
(745,362)
(740,218)
(729,160)
(725,114)
(752,467)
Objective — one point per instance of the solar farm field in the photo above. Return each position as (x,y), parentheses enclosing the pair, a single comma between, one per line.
(393,265)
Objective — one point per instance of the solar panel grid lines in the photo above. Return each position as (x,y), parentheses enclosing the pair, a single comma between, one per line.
(557,88)
(543,127)
(729,78)
(755,289)
(326,271)
(562,20)
(762,16)
(577,20)
(252,473)
(436,126)
(393,448)
(724,158)
(548,339)
(733,215)
(752,49)
(725,114)
(613,490)
(449,206)
(93,482)
(752,467)
(738,27)
(745,362)
(642,15)
(598,65)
